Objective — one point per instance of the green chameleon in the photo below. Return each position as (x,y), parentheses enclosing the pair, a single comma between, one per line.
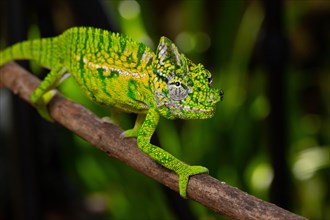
(113,70)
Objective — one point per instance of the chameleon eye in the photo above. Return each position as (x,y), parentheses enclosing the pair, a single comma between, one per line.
(177,91)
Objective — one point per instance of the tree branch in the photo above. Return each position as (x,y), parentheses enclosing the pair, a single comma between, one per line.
(220,197)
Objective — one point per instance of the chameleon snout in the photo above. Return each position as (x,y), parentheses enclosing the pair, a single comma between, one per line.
(214,97)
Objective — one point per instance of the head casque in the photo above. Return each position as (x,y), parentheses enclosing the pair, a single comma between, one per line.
(182,88)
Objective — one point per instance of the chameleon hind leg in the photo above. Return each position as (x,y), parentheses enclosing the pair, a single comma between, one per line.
(184,171)
(42,95)
(135,130)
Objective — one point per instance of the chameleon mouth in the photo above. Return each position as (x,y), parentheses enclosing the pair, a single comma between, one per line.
(208,110)
(205,110)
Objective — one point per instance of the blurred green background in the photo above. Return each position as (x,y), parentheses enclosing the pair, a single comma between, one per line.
(269,137)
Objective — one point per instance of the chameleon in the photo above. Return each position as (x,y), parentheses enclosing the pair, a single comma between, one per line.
(114,70)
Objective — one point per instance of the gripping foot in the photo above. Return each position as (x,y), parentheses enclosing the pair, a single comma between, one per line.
(184,173)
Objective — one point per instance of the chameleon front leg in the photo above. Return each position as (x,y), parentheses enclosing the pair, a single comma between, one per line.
(184,171)
(42,95)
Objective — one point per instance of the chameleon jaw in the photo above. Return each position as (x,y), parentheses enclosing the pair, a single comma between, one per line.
(189,112)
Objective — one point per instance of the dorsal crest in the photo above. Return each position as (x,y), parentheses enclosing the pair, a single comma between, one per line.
(170,61)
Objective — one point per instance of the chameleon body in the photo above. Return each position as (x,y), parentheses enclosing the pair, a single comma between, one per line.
(114,70)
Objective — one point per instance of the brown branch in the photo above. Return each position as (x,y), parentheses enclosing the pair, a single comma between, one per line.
(220,197)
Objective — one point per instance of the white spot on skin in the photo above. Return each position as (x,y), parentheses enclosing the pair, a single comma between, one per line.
(143,56)
(162,54)
(111,69)
(162,75)
(146,57)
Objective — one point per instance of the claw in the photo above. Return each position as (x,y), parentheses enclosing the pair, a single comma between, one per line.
(107,119)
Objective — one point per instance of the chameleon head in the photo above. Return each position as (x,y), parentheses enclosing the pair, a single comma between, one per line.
(182,88)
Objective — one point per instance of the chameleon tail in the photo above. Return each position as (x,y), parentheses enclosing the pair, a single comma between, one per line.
(40,50)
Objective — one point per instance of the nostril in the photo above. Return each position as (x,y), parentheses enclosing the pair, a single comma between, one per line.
(221,93)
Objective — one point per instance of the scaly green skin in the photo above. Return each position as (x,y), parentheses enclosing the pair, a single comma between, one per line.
(114,70)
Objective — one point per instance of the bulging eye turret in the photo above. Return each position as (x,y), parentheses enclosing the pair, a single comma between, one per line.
(177,91)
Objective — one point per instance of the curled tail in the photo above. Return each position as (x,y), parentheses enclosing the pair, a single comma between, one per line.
(41,50)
